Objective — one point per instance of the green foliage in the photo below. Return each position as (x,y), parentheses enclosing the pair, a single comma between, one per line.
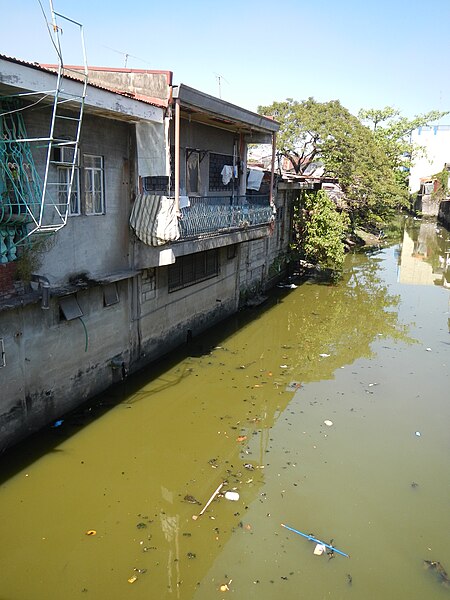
(313,131)
(441,192)
(320,230)
(393,133)
(31,256)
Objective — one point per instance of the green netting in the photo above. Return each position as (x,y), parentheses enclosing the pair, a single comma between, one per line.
(20,184)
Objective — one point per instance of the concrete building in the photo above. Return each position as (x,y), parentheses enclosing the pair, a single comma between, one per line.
(154,229)
(433,156)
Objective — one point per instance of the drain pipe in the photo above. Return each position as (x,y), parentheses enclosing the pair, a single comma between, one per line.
(177,155)
(272,168)
(44,284)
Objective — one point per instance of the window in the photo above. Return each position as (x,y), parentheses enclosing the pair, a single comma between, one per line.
(193,268)
(110,294)
(192,172)
(69,308)
(155,184)
(93,185)
(63,190)
(216,164)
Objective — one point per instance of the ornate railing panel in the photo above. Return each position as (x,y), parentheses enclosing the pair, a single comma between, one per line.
(220,214)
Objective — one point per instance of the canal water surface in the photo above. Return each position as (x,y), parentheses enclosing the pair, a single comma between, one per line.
(326,409)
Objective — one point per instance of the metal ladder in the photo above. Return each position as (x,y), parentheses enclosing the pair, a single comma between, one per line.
(62,148)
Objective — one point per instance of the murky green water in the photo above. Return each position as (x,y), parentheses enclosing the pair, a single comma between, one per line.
(371,355)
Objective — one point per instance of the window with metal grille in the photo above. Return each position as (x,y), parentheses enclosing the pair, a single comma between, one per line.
(63,190)
(193,268)
(156,183)
(94,196)
(216,164)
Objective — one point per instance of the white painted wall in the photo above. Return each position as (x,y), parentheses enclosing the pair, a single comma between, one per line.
(436,142)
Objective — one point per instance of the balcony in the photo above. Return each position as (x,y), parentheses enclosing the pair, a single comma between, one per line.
(208,216)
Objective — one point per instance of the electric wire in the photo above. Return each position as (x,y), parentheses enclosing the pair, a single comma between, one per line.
(58,51)
(10,112)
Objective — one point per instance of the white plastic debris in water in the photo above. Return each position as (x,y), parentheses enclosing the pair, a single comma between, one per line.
(232,496)
(319,549)
(328,423)
(418,433)
(323,355)
(429,350)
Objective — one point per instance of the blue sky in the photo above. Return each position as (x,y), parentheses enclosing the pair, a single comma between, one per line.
(365,53)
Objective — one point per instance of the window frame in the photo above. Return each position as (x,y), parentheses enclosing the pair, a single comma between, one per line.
(63,188)
(191,269)
(93,174)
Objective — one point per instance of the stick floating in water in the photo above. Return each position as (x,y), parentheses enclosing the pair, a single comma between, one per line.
(195,517)
(311,538)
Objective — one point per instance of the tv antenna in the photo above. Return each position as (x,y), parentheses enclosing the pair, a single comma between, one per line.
(219,81)
(126,56)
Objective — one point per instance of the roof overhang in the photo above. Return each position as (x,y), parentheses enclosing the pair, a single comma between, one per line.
(206,109)
(17,77)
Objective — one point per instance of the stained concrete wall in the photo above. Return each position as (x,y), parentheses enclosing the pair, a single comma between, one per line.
(444,213)
(92,244)
(53,365)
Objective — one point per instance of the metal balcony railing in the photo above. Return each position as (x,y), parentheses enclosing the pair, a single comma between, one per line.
(213,215)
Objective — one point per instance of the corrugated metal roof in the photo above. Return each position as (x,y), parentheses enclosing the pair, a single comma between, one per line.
(48,69)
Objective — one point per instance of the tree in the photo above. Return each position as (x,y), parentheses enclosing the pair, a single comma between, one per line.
(393,133)
(320,230)
(349,150)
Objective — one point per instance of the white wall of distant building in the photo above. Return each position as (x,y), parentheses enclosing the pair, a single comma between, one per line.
(436,143)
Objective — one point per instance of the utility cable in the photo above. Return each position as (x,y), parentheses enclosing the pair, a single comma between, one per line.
(58,51)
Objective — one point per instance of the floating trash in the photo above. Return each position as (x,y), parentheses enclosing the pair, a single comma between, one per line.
(232,496)
(132,579)
(91,532)
(187,498)
(195,517)
(311,538)
(418,434)
(328,423)
(319,549)
(225,587)
(58,423)
(323,355)
(293,386)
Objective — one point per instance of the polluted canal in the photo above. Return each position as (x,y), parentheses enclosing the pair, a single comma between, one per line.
(326,410)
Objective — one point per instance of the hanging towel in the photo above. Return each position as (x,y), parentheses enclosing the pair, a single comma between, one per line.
(254,179)
(227,174)
(154,219)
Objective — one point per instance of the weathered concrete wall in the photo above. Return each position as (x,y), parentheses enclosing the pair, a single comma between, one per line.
(203,138)
(52,364)
(154,84)
(426,205)
(93,244)
(166,318)
(444,213)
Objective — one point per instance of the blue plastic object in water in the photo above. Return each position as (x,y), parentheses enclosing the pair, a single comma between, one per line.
(313,539)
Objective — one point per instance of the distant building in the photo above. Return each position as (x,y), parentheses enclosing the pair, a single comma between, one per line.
(436,143)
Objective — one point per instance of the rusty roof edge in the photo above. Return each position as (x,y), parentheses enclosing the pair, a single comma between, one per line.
(159,102)
(216,106)
(47,68)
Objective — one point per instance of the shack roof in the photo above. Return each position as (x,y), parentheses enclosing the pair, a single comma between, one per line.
(38,81)
(210,110)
